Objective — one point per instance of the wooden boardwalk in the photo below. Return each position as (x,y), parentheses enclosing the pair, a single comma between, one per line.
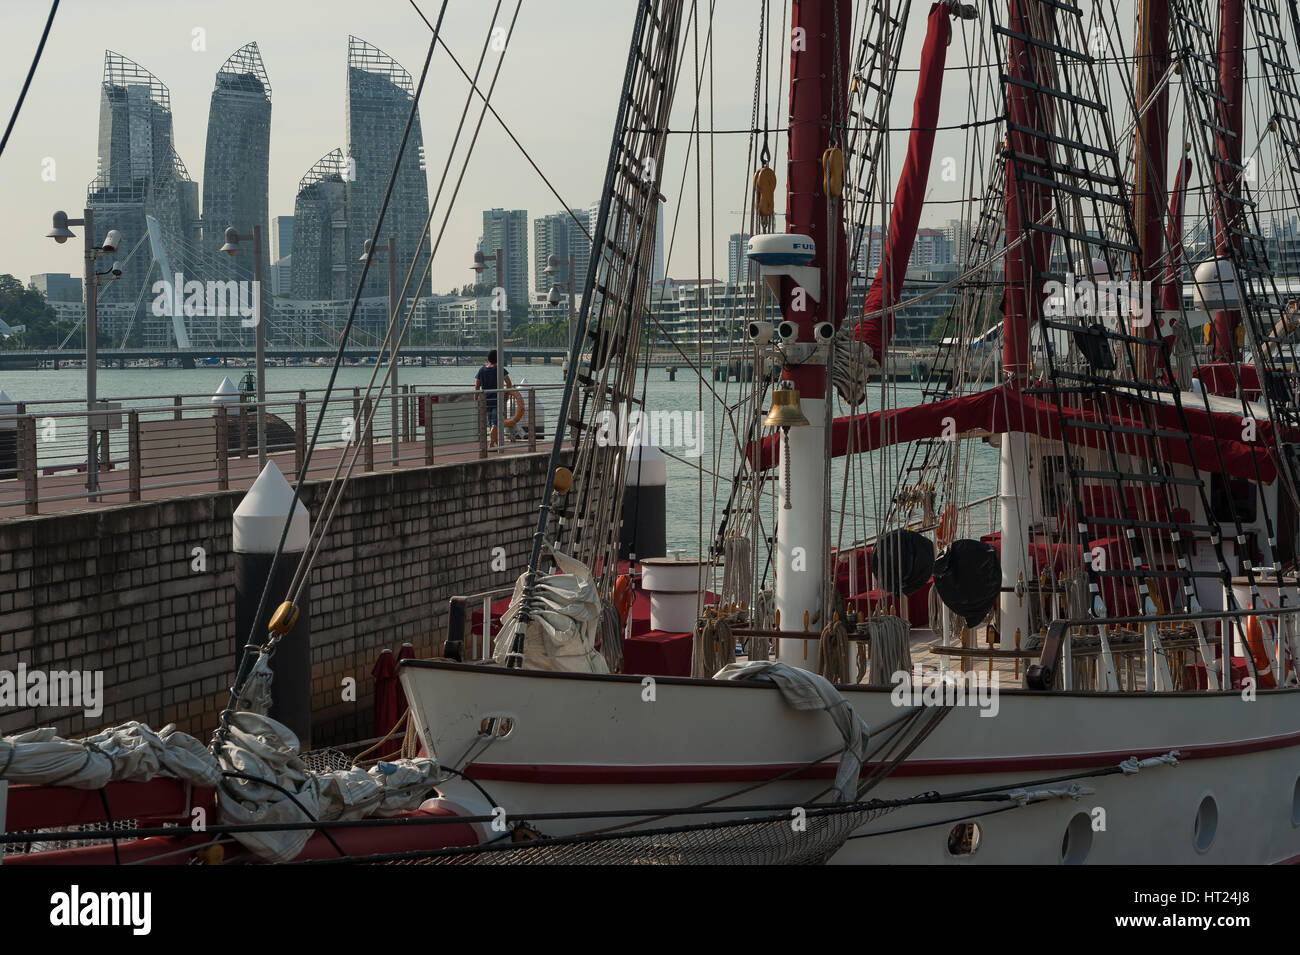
(65,491)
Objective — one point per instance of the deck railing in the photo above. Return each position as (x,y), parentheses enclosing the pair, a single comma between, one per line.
(1172,652)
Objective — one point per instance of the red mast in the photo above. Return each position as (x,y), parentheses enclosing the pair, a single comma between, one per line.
(1152,159)
(1228,148)
(1022,301)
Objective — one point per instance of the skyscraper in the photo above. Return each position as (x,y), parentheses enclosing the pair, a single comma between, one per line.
(380,93)
(507,230)
(561,234)
(140,175)
(236,164)
(281,254)
(737,261)
(320,231)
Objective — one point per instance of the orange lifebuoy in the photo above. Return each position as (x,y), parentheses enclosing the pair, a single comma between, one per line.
(518,416)
(1255,640)
(624,592)
(947,527)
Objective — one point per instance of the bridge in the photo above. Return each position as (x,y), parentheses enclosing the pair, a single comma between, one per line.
(193,357)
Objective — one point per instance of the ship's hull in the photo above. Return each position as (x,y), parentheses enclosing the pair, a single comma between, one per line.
(580,743)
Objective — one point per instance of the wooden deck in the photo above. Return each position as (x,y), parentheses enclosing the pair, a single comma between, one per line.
(65,491)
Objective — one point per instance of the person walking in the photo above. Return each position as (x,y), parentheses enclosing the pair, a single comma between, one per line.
(486,381)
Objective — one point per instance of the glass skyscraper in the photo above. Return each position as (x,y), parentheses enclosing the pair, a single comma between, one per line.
(235,174)
(380,93)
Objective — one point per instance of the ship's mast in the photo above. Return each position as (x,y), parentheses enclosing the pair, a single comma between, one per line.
(1021,308)
(1228,146)
(1151,158)
(819,63)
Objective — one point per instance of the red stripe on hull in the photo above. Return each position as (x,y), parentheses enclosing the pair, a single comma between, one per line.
(578,774)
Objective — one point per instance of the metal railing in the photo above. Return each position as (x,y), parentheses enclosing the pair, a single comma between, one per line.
(151,446)
(1163,648)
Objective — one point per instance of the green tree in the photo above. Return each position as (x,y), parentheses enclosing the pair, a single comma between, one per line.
(21,305)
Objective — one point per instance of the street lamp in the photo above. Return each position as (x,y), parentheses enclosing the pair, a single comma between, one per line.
(60,233)
(233,238)
(480,263)
(553,263)
(368,255)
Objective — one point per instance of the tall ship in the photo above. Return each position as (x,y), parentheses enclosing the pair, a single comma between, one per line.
(1038,608)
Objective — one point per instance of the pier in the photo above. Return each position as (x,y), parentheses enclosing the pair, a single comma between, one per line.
(142,589)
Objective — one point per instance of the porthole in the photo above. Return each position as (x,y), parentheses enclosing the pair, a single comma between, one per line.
(964,839)
(1206,825)
(1077,841)
(498,726)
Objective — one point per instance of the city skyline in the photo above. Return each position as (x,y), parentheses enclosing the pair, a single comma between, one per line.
(568,137)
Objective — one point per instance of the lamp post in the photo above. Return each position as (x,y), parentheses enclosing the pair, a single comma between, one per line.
(233,238)
(553,264)
(60,233)
(480,263)
(391,252)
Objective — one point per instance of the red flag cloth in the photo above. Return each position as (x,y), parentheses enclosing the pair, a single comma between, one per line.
(386,690)
(909,195)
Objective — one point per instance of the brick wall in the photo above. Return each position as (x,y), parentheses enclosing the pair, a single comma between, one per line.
(115,590)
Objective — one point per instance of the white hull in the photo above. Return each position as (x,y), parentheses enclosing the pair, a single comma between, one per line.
(591,743)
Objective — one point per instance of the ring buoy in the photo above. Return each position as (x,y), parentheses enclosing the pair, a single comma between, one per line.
(1263,666)
(514,419)
(947,527)
(624,592)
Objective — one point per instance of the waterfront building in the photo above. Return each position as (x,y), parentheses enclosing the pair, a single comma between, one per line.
(380,94)
(507,230)
(235,181)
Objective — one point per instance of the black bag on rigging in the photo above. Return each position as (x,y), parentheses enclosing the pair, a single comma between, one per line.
(968,576)
(902,561)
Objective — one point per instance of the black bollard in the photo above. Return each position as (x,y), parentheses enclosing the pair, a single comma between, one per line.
(259,522)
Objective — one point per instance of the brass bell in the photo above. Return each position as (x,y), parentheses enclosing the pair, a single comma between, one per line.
(785,411)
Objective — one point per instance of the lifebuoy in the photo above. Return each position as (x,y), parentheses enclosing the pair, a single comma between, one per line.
(947,527)
(1255,640)
(514,419)
(624,592)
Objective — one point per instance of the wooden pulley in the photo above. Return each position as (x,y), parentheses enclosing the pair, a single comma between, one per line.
(833,172)
(282,621)
(765,192)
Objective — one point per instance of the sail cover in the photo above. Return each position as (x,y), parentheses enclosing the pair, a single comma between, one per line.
(887,286)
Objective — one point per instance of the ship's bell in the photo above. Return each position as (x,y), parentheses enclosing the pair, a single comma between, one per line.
(785,411)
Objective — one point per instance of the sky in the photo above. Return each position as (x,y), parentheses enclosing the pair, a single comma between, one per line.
(557,91)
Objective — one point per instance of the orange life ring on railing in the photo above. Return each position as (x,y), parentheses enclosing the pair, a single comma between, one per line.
(1263,666)
(947,527)
(624,592)
(518,416)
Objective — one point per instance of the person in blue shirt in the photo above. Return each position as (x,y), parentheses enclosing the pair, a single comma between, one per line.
(486,381)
